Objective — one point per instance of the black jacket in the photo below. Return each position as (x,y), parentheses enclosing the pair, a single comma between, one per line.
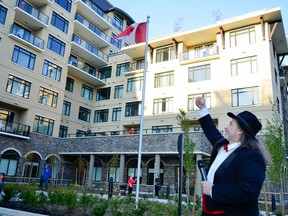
(238,180)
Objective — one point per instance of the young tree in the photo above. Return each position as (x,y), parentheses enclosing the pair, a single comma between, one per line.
(189,145)
(275,142)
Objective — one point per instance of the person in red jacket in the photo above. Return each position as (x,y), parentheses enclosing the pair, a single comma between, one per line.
(130,183)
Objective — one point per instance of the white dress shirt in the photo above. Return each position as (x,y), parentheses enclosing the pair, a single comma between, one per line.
(222,154)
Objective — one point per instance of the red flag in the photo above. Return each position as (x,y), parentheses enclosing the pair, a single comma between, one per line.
(134,33)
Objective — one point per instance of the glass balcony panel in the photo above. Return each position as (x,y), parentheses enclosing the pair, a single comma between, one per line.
(27,36)
(33,11)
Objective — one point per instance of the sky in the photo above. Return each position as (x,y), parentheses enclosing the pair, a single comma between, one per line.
(166,16)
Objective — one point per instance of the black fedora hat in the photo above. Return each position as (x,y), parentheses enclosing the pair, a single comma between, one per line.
(248,121)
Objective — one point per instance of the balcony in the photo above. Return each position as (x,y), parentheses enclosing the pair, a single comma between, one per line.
(136,68)
(86,29)
(14,129)
(85,72)
(92,11)
(88,52)
(200,54)
(30,16)
(24,36)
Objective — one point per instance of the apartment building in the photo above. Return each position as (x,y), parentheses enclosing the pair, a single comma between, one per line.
(69,93)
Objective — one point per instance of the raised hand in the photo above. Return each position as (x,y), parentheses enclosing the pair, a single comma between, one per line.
(200,102)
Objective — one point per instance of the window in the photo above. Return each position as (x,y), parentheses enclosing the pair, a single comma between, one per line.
(122,68)
(162,129)
(3,14)
(52,71)
(69,84)
(134,84)
(56,45)
(245,96)
(80,133)
(48,97)
(244,66)
(116,115)
(63,131)
(103,94)
(97,171)
(114,172)
(118,22)
(199,73)
(133,109)
(87,92)
(59,22)
(164,79)
(66,108)
(164,54)
(242,37)
(66,4)
(84,114)
(163,105)
(8,163)
(105,73)
(118,91)
(101,115)
(140,64)
(23,57)
(117,42)
(192,98)
(43,125)
(18,86)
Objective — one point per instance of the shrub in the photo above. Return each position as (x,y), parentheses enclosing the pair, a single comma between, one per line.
(100,207)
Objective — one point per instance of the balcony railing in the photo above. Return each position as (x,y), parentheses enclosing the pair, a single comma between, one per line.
(14,128)
(92,27)
(89,47)
(97,10)
(33,11)
(199,53)
(27,36)
(135,66)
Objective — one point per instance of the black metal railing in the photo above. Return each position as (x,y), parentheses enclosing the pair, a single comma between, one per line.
(14,128)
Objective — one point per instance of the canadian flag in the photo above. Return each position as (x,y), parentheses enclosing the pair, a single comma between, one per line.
(134,33)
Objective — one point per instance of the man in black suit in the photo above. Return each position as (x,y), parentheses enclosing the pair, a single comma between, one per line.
(237,167)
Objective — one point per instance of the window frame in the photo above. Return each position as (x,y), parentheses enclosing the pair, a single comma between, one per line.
(253,93)
(3,14)
(59,22)
(22,84)
(87,92)
(199,73)
(103,94)
(56,72)
(164,79)
(84,114)
(69,84)
(20,56)
(163,105)
(55,45)
(134,84)
(46,129)
(133,108)
(118,91)
(116,114)
(101,115)
(66,108)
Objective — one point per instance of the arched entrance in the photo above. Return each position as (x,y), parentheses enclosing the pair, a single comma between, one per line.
(151,172)
(81,165)
(31,166)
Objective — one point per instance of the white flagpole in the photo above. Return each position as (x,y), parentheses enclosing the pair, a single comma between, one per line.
(142,116)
